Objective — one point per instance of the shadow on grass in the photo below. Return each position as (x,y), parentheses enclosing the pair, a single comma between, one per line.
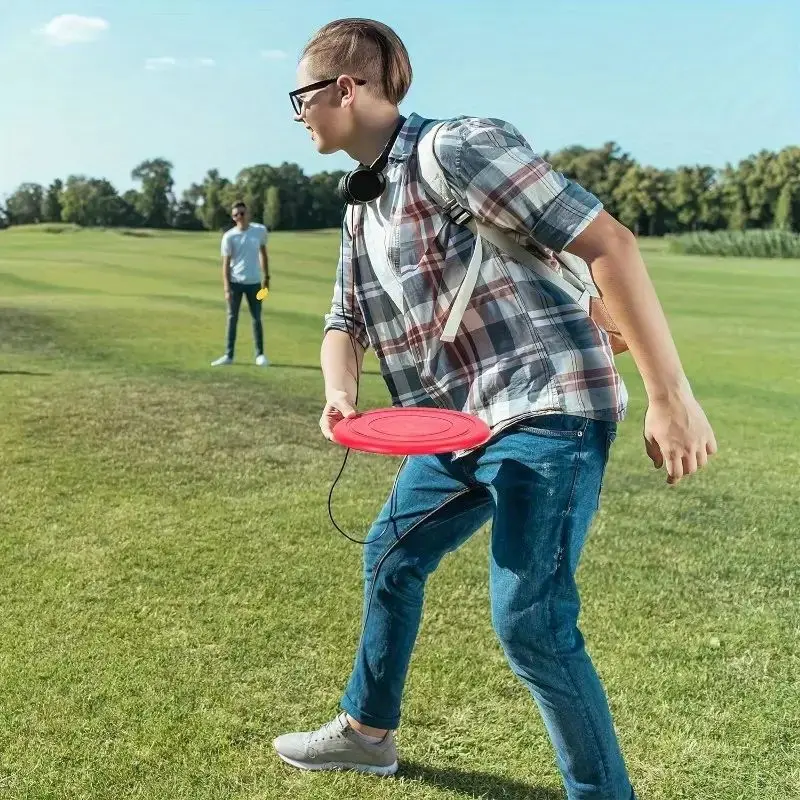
(22,372)
(477,784)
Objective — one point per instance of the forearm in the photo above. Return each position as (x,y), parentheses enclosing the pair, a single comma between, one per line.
(341,359)
(226,273)
(263,259)
(628,293)
(676,431)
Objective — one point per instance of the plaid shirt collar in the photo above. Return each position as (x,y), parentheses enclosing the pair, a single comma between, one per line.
(406,140)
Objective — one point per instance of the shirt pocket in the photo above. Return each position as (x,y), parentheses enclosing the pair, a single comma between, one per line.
(417,241)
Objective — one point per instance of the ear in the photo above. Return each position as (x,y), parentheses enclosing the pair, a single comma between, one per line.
(346,87)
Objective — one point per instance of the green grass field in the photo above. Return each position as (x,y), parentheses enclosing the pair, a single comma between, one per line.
(173,594)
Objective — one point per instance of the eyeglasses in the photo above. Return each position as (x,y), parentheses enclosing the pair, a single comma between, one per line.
(237,214)
(297,100)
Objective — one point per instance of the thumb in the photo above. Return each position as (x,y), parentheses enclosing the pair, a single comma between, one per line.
(345,408)
(654,452)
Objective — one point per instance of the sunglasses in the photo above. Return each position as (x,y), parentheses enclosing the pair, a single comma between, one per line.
(296,95)
(237,214)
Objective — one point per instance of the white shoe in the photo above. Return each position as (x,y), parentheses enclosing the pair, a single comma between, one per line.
(222,362)
(337,746)
(262,361)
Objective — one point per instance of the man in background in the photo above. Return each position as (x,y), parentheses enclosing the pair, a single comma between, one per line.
(245,270)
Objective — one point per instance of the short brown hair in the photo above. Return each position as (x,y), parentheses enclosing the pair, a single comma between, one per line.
(364,48)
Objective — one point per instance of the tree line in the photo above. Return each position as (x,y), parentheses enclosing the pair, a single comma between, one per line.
(761,191)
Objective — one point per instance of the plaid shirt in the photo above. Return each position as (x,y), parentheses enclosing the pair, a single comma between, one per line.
(524,348)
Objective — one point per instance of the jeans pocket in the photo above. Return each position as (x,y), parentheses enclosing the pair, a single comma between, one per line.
(554,426)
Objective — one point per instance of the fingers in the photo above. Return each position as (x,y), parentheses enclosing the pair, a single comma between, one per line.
(334,413)
(680,443)
(654,452)
(681,466)
(674,468)
(703,452)
(330,416)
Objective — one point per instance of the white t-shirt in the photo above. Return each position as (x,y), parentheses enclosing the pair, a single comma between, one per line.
(242,247)
(377,230)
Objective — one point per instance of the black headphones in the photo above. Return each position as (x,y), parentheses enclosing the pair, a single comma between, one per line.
(366,183)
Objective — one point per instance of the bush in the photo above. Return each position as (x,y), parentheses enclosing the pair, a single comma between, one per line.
(752,244)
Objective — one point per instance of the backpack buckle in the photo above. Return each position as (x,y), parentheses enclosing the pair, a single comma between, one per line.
(457,212)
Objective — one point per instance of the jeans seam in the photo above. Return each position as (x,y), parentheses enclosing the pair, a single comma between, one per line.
(551,627)
(399,539)
(581,438)
(391,548)
(609,441)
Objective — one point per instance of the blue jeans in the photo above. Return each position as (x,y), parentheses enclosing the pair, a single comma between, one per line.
(249,290)
(539,483)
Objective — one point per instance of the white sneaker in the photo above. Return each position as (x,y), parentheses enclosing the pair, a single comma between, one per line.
(262,361)
(337,746)
(222,362)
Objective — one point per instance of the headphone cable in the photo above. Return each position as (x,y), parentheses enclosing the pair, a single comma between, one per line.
(351,335)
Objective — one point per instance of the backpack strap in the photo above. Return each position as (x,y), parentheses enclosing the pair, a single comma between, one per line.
(436,184)
(574,278)
(433,177)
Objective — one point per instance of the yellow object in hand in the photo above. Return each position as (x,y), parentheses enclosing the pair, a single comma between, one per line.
(262,294)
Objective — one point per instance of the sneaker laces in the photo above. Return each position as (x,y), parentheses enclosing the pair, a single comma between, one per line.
(330,730)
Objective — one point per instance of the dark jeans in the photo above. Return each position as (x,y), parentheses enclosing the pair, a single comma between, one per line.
(249,290)
(539,484)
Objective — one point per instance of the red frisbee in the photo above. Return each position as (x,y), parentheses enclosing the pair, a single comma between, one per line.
(411,431)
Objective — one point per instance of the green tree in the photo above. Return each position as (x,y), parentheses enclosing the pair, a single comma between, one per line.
(24,206)
(193,197)
(599,170)
(734,197)
(155,198)
(252,184)
(92,202)
(325,204)
(784,211)
(712,206)
(214,214)
(631,200)
(272,208)
(132,217)
(229,195)
(185,217)
(688,189)
(784,179)
(295,198)
(51,204)
(760,191)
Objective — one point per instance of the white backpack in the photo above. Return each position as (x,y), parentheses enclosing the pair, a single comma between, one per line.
(570,273)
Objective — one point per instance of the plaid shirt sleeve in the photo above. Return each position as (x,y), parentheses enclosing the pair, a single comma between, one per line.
(503,182)
(345,313)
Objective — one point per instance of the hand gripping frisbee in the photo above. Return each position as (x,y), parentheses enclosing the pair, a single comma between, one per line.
(262,294)
(411,431)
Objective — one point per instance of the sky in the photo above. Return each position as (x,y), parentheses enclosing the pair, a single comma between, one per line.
(94,88)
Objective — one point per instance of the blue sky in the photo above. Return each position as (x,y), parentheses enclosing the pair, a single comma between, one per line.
(204,83)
